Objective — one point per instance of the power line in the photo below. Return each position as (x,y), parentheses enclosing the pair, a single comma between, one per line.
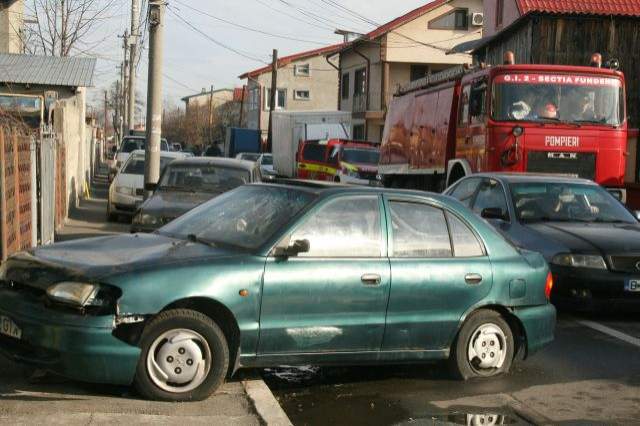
(218,43)
(267,5)
(255,30)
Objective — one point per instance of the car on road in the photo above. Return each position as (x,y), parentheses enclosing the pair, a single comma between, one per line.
(188,183)
(128,145)
(266,165)
(293,273)
(249,156)
(127,188)
(591,241)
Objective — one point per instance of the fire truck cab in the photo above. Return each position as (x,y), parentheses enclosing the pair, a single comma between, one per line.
(520,118)
(338,160)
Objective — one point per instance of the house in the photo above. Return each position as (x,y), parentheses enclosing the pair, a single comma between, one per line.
(52,90)
(398,52)
(11,26)
(307,81)
(203,99)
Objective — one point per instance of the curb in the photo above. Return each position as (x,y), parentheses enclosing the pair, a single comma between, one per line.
(265,402)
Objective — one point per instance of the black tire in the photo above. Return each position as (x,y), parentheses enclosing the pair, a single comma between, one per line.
(190,320)
(464,369)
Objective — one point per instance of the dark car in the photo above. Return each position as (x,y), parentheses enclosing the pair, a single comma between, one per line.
(274,274)
(591,241)
(188,183)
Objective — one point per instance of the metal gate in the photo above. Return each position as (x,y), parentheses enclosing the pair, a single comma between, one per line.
(47,185)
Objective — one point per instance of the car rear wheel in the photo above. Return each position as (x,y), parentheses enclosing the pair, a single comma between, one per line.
(484,347)
(184,357)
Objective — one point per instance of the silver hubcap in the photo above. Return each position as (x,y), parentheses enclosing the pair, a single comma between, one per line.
(487,348)
(179,360)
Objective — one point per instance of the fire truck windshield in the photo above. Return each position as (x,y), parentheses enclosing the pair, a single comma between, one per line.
(579,99)
(361,156)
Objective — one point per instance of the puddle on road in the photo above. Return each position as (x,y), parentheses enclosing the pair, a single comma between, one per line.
(360,396)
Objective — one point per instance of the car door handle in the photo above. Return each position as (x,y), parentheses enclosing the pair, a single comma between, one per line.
(371,279)
(473,279)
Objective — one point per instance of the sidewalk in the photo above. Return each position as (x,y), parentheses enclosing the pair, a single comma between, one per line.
(56,401)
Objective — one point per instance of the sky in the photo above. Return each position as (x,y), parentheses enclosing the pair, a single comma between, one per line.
(214,52)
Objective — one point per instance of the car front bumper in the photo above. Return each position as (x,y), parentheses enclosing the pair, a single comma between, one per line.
(78,347)
(539,324)
(124,204)
(593,290)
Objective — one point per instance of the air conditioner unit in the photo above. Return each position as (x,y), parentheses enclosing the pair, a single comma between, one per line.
(477,19)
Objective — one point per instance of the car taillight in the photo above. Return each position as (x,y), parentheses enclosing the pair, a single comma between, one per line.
(548,286)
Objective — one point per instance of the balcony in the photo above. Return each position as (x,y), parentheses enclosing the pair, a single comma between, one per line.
(359,103)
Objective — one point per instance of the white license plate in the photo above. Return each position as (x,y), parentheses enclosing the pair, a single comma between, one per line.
(9,328)
(632,285)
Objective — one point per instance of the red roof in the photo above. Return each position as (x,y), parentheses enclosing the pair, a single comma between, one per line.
(286,60)
(408,17)
(588,7)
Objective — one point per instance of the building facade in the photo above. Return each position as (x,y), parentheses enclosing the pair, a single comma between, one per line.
(373,66)
(11,26)
(307,81)
(208,98)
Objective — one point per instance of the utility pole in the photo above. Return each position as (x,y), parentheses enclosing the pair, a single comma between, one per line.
(272,98)
(106,116)
(125,79)
(154,96)
(133,52)
(210,121)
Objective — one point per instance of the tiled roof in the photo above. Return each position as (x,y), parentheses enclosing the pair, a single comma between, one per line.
(407,17)
(46,70)
(286,60)
(588,7)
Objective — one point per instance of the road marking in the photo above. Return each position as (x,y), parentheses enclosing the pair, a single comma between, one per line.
(611,332)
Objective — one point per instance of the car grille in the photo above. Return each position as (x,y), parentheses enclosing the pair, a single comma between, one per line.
(629,264)
(25,290)
(581,164)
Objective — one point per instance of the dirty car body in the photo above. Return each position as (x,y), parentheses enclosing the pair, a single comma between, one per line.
(328,275)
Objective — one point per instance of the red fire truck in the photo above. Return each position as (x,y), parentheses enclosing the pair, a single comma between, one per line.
(517,118)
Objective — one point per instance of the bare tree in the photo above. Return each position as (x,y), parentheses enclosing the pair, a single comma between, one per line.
(61,25)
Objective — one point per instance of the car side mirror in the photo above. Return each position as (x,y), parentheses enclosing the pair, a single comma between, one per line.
(494,213)
(294,249)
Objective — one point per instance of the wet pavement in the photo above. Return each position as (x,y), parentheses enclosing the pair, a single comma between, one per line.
(584,377)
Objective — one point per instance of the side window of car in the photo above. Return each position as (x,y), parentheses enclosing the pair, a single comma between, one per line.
(345,227)
(465,191)
(465,242)
(490,196)
(419,231)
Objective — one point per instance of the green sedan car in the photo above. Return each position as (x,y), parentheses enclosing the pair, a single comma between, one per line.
(278,274)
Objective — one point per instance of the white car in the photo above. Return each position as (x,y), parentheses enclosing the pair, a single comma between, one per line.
(266,165)
(248,156)
(128,145)
(126,192)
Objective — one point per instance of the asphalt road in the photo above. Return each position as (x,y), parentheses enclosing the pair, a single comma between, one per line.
(589,375)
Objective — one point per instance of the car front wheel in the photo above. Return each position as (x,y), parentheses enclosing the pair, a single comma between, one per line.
(184,357)
(484,347)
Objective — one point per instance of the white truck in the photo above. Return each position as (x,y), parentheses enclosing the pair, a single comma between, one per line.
(290,128)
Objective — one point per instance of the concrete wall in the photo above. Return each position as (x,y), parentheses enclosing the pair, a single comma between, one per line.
(510,14)
(322,84)
(11,24)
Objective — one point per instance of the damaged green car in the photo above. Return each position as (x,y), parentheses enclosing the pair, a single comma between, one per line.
(272,274)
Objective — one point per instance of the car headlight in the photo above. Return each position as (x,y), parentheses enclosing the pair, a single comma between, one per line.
(72,293)
(580,261)
(145,219)
(124,190)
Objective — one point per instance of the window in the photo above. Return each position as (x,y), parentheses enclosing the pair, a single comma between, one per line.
(499,13)
(490,196)
(455,20)
(419,231)
(302,95)
(465,191)
(314,152)
(360,82)
(418,72)
(254,99)
(281,98)
(477,101)
(345,86)
(359,133)
(345,227)
(302,70)
(465,243)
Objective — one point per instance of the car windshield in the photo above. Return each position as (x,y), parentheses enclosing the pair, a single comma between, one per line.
(565,202)
(135,165)
(205,178)
(250,157)
(267,160)
(131,144)
(564,98)
(245,217)
(361,156)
